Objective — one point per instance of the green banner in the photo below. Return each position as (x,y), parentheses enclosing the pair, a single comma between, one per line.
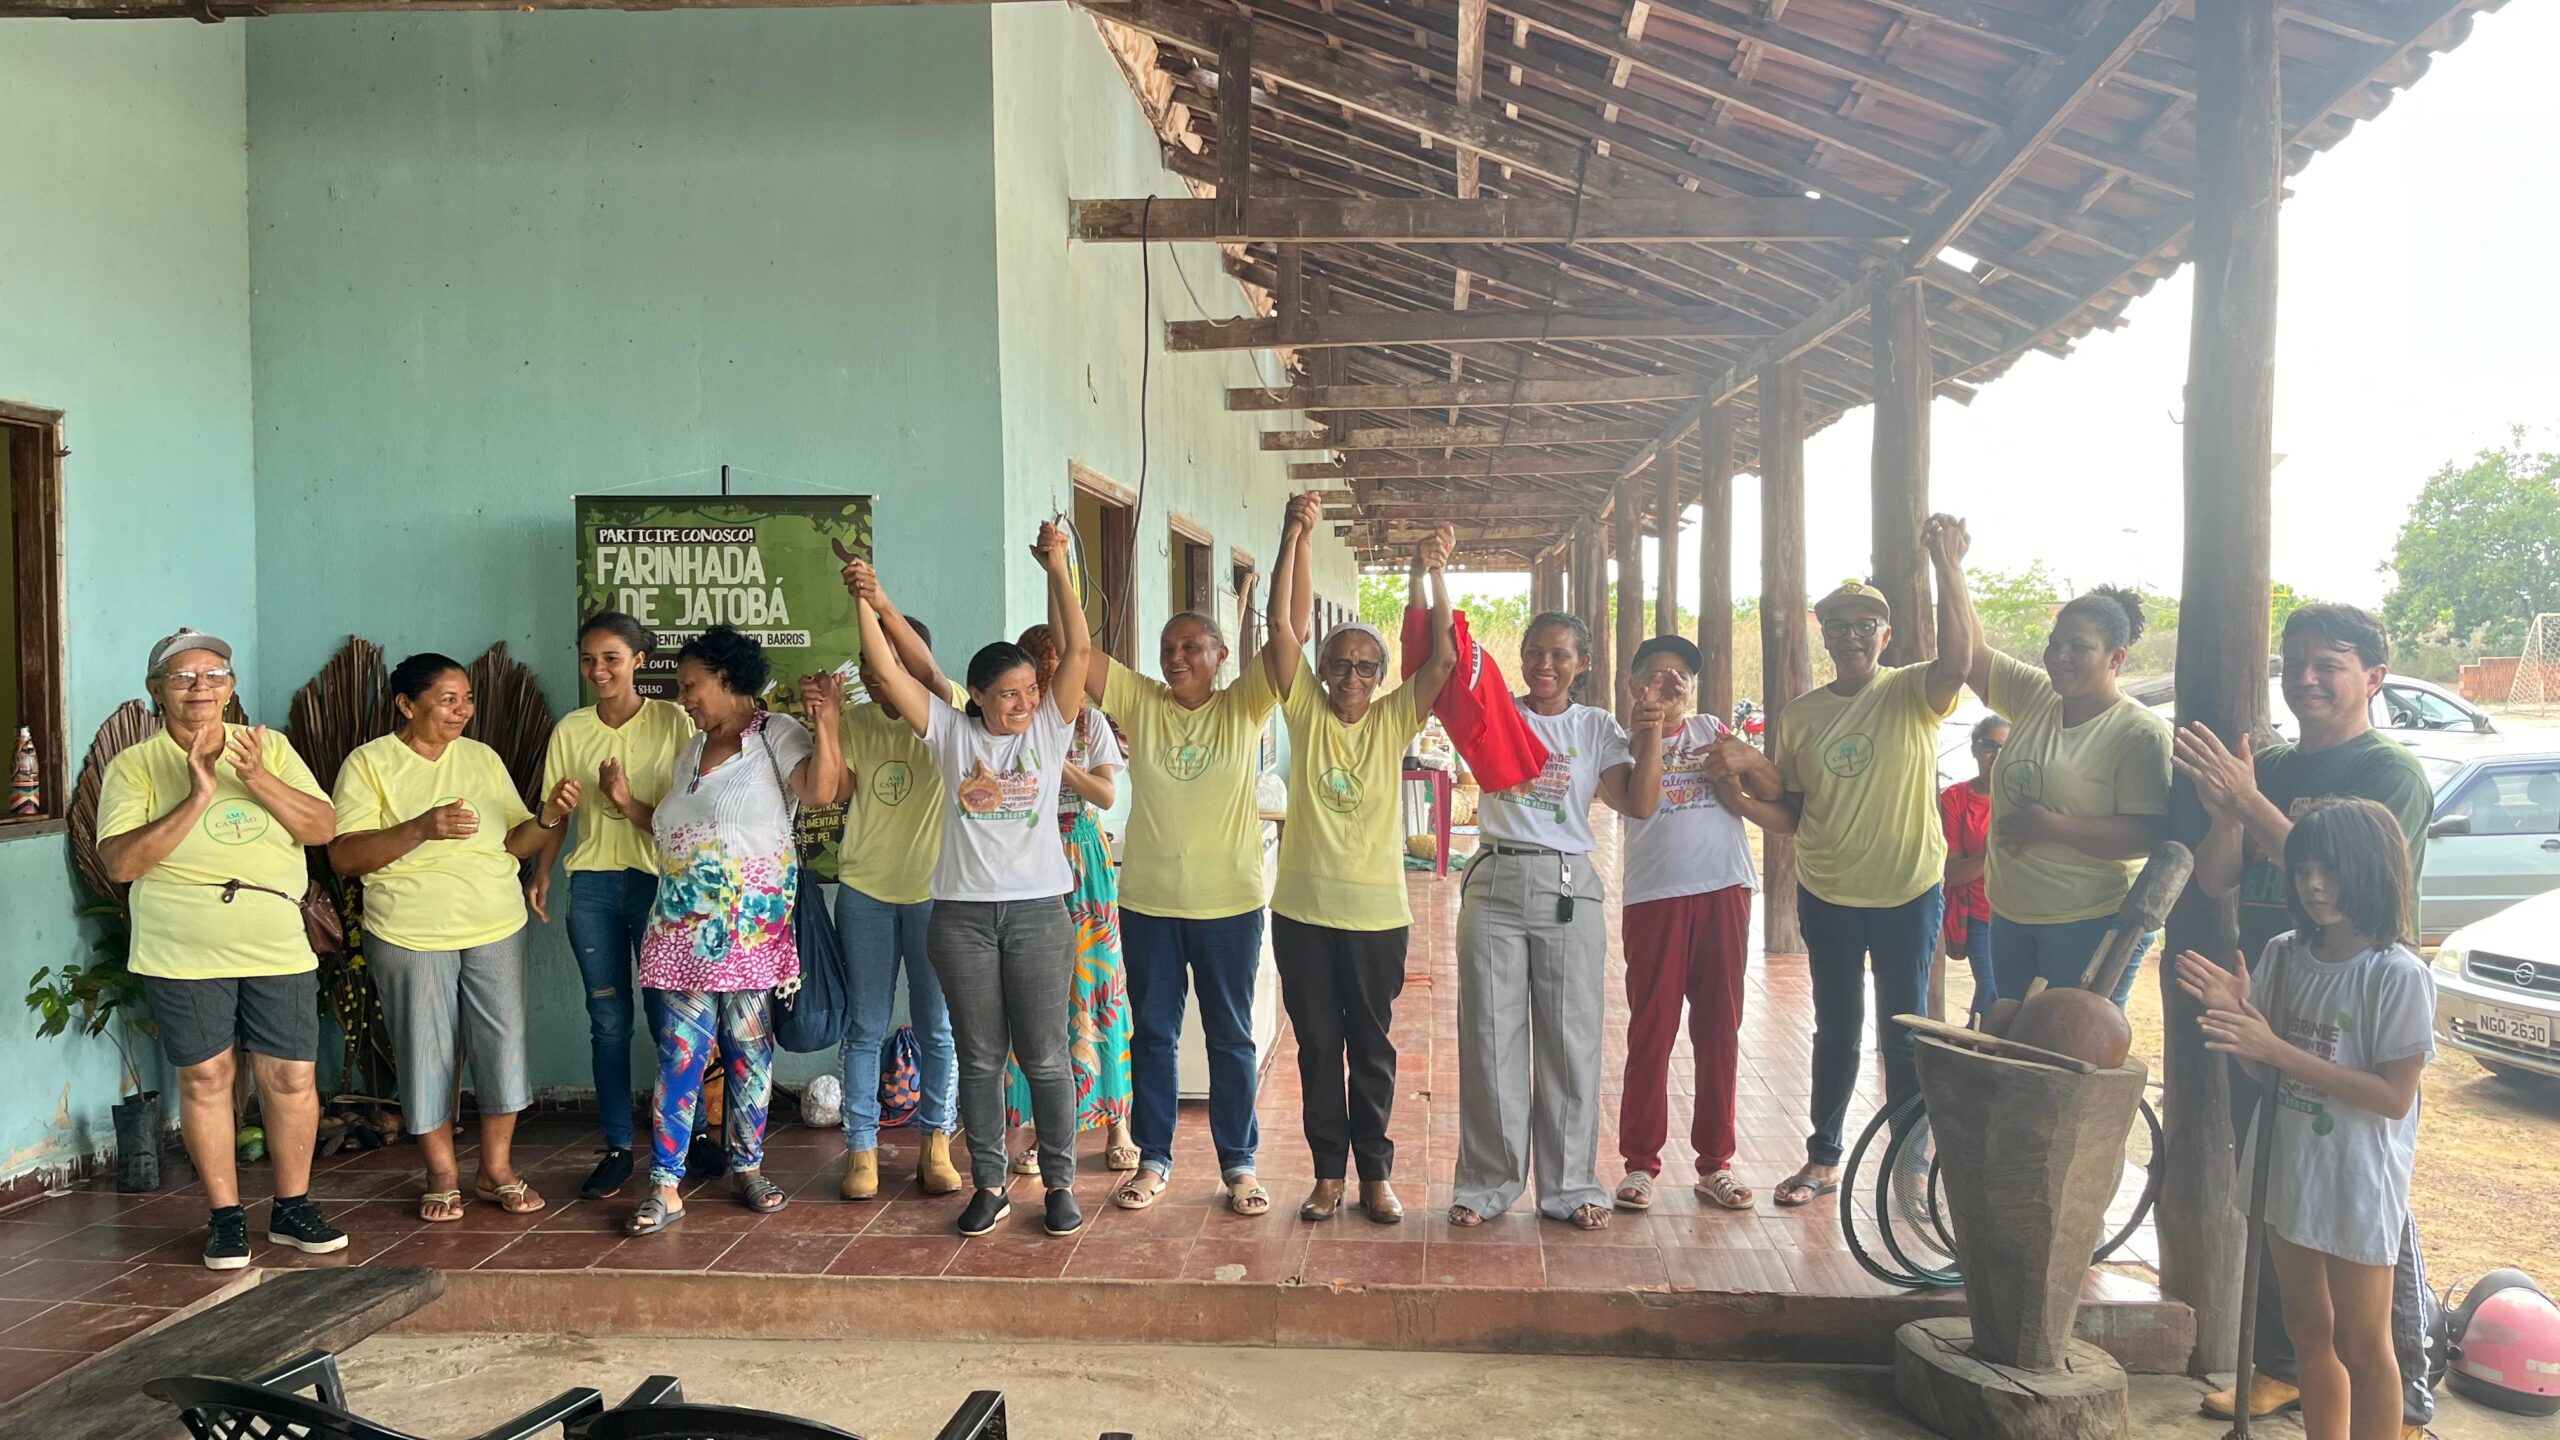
(769,565)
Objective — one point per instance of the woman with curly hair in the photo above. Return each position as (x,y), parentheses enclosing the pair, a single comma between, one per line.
(720,942)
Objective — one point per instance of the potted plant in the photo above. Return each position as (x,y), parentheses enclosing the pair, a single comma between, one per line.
(103,998)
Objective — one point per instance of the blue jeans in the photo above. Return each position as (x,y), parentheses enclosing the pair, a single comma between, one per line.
(608,913)
(1975,950)
(2059,953)
(1219,959)
(879,940)
(1838,940)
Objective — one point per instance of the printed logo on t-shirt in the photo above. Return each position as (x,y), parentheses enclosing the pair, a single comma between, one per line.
(2319,1037)
(892,782)
(1340,790)
(1684,782)
(2022,782)
(1849,756)
(1549,788)
(1000,797)
(235,822)
(1187,760)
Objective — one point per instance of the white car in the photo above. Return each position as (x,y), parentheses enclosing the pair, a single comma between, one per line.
(2409,711)
(2498,988)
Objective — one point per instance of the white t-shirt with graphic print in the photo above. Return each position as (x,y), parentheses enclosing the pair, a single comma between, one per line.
(1690,844)
(1552,809)
(1000,806)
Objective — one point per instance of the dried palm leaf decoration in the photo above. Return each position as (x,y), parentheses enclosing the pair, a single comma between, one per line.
(347,704)
(511,717)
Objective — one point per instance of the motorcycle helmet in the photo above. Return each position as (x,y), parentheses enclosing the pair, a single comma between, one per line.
(2506,1345)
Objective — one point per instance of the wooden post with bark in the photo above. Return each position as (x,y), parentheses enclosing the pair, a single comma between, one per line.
(2222,647)
(1666,541)
(1785,656)
(1591,603)
(1899,473)
(1628,541)
(1715,563)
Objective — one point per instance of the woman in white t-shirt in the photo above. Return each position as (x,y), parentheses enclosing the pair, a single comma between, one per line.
(1532,946)
(1001,940)
(1098,1014)
(1687,924)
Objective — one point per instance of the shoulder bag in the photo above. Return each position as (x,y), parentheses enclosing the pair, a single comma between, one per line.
(812,1017)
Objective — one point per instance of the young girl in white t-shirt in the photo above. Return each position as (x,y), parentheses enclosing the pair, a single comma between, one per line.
(2341,1025)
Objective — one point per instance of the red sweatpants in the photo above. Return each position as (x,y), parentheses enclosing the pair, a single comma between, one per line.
(1689,948)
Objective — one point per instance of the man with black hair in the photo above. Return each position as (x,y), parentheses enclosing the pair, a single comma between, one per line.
(2335,658)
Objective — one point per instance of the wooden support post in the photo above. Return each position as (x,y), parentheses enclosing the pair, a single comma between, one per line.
(1235,121)
(1666,542)
(1591,603)
(2222,651)
(1629,629)
(1715,562)
(1785,656)
(1289,299)
(1899,476)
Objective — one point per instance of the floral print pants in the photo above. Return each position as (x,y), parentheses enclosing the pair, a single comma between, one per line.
(691,1023)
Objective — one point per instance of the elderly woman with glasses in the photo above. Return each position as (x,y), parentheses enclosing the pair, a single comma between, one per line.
(206,821)
(1339,921)
(1855,781)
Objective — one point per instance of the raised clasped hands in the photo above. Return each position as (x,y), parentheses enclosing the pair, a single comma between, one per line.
(822,697)
(1947,540)
(1049,547)
(862,582)
(1304,511)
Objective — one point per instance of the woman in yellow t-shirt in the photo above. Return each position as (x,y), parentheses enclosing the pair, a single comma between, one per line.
(434,825)
(2079,795)
(207,822)
(1191,882)
(618,756)
(1339,920)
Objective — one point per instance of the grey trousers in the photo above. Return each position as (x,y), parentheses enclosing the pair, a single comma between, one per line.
(2413,1325)
(1531,988)
(442,1004)
(1008,971)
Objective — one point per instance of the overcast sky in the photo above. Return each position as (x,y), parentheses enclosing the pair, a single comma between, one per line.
(2419,322)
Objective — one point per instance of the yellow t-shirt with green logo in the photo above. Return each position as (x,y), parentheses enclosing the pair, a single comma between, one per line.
(1194,845)
(1342,852)
(1867,766)
(893,827)
(2114,763)
(646,744)
(182,930)
(445,894)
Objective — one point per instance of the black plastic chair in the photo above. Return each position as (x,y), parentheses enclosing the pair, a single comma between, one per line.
(657,1411)
(267,1406)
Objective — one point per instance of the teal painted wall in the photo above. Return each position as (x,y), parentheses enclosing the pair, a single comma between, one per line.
(1067,127)
(501,260)
(124,303)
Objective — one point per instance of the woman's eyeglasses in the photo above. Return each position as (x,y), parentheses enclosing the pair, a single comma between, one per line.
(1345,669)
(186,679)
(1863,628)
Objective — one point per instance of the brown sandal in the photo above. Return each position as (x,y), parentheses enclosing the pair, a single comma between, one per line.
(1589,1217)
(1464,1218)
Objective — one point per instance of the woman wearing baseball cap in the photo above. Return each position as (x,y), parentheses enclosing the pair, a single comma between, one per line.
(207,822)
(1855,781)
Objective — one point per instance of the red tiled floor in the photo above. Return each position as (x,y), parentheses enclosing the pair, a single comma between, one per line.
(81,1268)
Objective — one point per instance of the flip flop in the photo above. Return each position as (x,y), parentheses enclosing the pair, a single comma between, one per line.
(440,1207)
(759,1194)
(1589,1217)
(1139,1191)
(1805,1191)
(1464,1218)
(516,1197)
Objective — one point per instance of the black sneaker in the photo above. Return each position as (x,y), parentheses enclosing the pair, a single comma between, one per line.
(226,1245)
(297,1223)
(987,1209)
(1065,1216)
(610,1175)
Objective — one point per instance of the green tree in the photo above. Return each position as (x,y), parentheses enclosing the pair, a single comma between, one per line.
(1382,600)
(2016,608)
(2480,551)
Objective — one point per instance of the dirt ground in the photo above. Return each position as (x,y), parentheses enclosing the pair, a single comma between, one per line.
(445,1386)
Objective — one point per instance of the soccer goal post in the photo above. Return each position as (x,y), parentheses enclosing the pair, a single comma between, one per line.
(2537,684)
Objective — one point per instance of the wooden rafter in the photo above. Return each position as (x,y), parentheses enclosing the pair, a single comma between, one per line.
(1590,221)
(1458,437)
(1469,327)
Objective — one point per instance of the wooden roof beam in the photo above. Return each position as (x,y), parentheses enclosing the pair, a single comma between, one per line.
(1461,327)
(1456,468)
(1461,437)
(1591,220)
(1628,390)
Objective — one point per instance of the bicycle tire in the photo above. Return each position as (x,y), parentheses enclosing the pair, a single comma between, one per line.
(1858,1249)
(1944,1276)
(2150,1188)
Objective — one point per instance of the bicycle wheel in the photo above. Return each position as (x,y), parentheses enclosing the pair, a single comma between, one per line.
(2140,1187)
(1860,1220)
(1910,1204)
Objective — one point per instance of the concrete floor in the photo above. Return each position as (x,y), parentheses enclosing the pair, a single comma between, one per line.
(439,1386)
